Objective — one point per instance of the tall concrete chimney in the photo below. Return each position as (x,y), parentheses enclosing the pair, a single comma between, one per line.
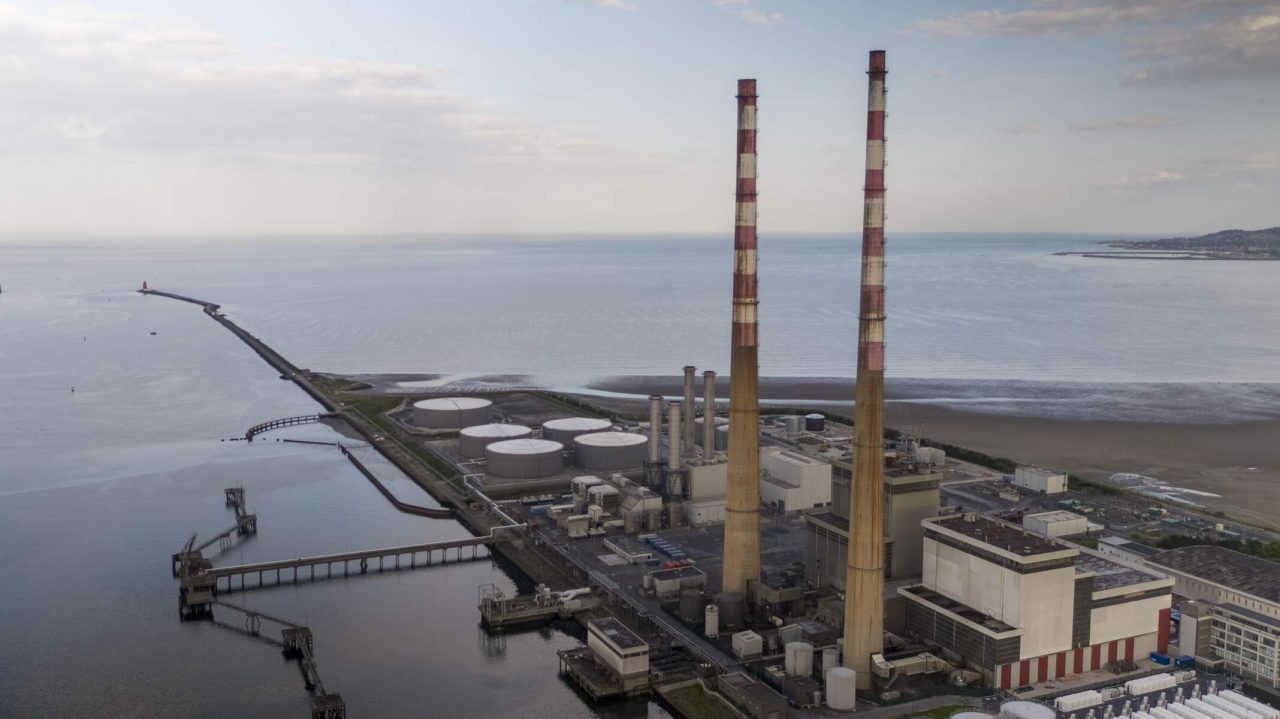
(742,488)
(864,596)
(673,455)
(689,447)
(655,429)
(709,415)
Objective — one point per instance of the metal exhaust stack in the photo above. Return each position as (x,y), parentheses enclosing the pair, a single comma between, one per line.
(742,489)
(673,455)
(864,598)
(655,429)
(689,447)
(708,415)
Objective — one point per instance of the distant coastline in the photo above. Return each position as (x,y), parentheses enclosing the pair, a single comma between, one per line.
(1224,245)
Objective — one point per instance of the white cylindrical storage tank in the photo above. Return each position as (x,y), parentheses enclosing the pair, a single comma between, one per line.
(699,423)
(473,440)
(565,429)
(610,450)
(1209,710)
(1161,713)
(722,438)
(524,458)
(793,423)
(1234,710)
(1026,710)
(451,412)
(1258,708)
(711,621)
(842,689)
(830,658)
(799,659)
(1186,712)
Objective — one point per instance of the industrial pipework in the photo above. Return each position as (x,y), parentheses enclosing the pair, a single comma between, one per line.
(688,445)
(864,600)
(655,429)
(709,415)
(742,489)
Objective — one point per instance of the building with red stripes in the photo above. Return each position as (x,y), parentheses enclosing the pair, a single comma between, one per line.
(1023,608)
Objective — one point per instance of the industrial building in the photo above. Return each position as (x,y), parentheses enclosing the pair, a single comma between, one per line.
(1243,612)
(792,482)
(621,651)
(1058,523)
(610,450)
(1039,479)
(524,458)
(910,495)
(1126,551)
(1023,608)
(473,440)
(451,412)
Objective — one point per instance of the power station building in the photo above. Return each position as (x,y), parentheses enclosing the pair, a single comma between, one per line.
(910,496)
(1024,608)
(792,482)
(1242,613)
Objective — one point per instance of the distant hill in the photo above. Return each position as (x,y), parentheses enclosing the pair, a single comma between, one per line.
(1226,245)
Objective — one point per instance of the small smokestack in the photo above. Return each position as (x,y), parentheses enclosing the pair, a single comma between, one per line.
(742,485)
(709,415)
(655,429)
(673,455)
(864,599)
(688,409)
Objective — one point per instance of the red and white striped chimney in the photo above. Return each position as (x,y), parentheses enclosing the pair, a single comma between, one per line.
(864,580)
(742,484)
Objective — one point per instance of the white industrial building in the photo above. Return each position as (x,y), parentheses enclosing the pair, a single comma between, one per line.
(1058,523)
(624,654)
(1023,608)
(792,482)
(1039,479)
(1243,594)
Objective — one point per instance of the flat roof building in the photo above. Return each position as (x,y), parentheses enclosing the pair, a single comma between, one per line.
(1244,597)
(910,496)
(1040,479)
(620,650)
(1023,608)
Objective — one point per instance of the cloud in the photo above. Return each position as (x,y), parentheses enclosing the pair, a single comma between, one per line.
(613,4)
(137,85)
(744,10)
(1023,129)
(1174,40)
(1242,46)
(1156,177)
(78,128)
(1136,122)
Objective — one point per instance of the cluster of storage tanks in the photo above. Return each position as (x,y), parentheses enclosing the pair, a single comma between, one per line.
(511,450)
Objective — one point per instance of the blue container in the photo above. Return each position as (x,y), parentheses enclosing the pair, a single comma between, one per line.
(1186,661)
(1159,658)
(652,562)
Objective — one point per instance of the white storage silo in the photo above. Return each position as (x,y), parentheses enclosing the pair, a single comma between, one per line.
(563,430)
(842,689)
(473,440)
(610,450)
(830,658)
(1026,710)
(524,458)
(711,621)
(451,412)
(799,659)
(722,438)
(697,427)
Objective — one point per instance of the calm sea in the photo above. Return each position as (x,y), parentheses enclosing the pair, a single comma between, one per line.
(98,487)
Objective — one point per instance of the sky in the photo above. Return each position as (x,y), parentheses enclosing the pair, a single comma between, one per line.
(142,118)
